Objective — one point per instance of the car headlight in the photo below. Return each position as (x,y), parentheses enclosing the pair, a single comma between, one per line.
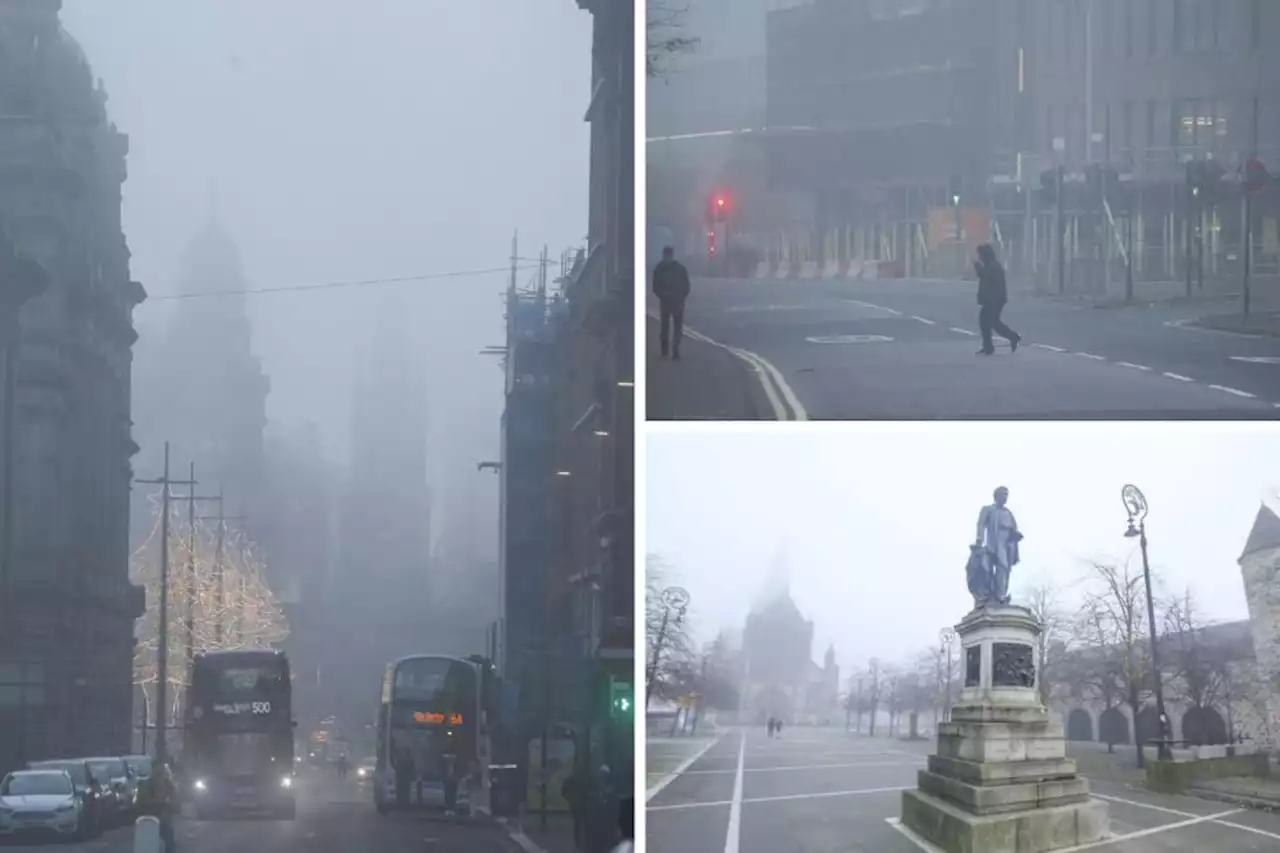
(361,772)
(286,782)
(200,785)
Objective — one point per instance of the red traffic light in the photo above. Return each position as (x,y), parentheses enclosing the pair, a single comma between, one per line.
(719,206)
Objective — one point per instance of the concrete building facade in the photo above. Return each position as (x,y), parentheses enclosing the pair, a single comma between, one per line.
(66,635)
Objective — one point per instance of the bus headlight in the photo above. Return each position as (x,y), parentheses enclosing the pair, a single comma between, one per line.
(361,772)
(286,782)
(200,785)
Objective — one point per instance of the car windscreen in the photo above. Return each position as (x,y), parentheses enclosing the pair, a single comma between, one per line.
(75,769)
(140,766)
(111,768)
(35,784)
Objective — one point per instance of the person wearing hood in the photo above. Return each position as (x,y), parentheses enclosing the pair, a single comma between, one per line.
(993,295)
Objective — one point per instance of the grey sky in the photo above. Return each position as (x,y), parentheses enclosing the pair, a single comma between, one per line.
(352,141)
(877,518)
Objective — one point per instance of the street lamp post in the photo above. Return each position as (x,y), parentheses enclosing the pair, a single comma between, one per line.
(1136,503)
(674,598)
(947,637)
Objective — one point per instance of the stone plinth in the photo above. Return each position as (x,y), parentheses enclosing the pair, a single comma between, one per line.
(1000,781)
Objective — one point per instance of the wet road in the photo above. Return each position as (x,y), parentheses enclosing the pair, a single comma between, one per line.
(823,791)
(906,349)
(333,817)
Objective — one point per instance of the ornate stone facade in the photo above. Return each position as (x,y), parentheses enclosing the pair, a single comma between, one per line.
(65,662)
(1242,662)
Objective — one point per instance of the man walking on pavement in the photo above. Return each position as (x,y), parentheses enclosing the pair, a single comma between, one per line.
(671,286)
(993,294)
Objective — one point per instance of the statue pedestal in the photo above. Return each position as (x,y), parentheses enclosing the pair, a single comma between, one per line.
(1000,781)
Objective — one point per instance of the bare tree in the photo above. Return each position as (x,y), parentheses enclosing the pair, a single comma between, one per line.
(663,39)
(1043,598)
(1200,668)
(1114,616)
(874,687)
(667,633)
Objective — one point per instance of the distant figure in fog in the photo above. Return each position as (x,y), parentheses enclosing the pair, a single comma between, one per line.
(993,294)
(342,766)
(671,286)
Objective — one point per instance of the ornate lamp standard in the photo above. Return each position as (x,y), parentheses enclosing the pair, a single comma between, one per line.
(947,637)
(674,598)
(1136,503)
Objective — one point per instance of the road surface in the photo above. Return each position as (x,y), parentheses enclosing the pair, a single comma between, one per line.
(823,791)
(333,817)
(907,349)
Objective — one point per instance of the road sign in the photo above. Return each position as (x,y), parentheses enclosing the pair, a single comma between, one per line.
(1255,176)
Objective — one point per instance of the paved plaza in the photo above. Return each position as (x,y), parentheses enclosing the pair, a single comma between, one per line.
(823,791)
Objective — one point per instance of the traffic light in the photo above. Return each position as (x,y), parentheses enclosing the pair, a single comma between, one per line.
(711,244)
(719,206)
(622,703)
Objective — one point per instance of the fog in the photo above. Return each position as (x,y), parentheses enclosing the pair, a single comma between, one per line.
(317,143)
(871,525)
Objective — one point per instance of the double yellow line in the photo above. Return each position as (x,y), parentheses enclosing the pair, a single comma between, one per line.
(782,399)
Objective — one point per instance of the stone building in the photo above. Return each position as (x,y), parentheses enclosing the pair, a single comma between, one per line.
(1219,681)
(66,638)
(200,387)
(781,677)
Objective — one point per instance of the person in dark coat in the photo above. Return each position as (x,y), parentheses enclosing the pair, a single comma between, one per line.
(671,286)
(993,294)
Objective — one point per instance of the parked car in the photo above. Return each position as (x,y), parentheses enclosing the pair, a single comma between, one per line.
(122,781)
(100,805)
(40,802)
(140,766)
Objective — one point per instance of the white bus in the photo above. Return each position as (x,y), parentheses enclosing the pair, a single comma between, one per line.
(431,746)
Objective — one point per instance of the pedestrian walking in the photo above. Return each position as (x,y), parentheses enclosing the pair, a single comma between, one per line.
(163,804)
(993,295)
(671,286)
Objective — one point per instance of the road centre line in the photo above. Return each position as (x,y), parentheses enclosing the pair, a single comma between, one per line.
(1049,348)
(1130,364)
(924,320)
(794,767)
(1179,377)
(1090,356)
(1236,391)
(961,331)
(662,783)
(817,795)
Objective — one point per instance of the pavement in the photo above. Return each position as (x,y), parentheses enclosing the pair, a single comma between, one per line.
(334,816)
(709,382)
(823,791)
(905,349)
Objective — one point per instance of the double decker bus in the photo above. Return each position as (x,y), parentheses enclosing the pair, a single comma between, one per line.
(238,743)
(431,748)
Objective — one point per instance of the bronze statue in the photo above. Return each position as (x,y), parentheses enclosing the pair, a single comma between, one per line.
(994,553)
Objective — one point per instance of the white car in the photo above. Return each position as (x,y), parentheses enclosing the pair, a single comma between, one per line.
(34,802)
